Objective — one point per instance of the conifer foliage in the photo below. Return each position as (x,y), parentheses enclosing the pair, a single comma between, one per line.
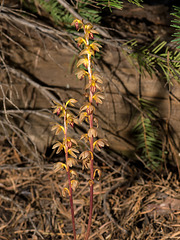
(176,25)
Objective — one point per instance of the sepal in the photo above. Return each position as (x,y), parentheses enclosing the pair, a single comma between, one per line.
(73,173)
(95,46)
(71,102)
(87,51)
(81,73)
(83,61)
(74,184)
(98,97)
(65,192)
(58,145)
(83,115)
(71,162)
(98,144)
(80,40)
(60,166)
(92,132)
(97,172)
(86,156)
(97,77)
(85,137)
(58,128)
(72,152)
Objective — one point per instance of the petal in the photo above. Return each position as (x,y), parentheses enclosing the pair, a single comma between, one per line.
(92,132)
(74,184)
(82,61)
(71,101)
(65,192)
(73,173)
(81,73)
(57,144)
(87,51)
(84,155)
(58,166)
(98,172)
(71,162)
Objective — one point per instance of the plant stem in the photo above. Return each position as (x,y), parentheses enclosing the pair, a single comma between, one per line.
(91,148)
(69,177)
(71,203)
(91,190)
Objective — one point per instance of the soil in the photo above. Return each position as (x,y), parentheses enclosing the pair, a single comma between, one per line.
(130,202)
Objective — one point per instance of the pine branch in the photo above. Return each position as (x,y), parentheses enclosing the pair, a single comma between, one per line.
(151,57)
(147,136)
(176,25)
(137,2)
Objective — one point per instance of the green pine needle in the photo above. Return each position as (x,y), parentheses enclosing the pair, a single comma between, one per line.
(176,25)
(147,136)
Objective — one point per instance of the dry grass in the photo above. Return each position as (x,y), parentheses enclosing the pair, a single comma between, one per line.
(32,206)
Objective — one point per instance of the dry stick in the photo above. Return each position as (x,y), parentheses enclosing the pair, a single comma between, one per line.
(48,95)
(18,133)
(22,212)
(119,184)
(35,25)
(9,15)
(54,33)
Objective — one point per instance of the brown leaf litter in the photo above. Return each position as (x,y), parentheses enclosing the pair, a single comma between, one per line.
(32,205)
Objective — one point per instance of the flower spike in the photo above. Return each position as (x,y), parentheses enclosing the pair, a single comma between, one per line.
(69,146)
(94,94)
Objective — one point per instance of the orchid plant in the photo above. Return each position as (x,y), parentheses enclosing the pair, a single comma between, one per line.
(62,111)
(94,95)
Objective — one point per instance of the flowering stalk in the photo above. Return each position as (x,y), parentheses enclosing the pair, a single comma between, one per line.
(68,118)
(94,93)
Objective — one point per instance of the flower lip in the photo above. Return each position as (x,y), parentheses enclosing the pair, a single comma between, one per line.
(58,111)
(76,25)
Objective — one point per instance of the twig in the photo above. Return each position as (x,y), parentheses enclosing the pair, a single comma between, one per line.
(28,111)
(43,90)
(119,184)
(18,131)
(22,212)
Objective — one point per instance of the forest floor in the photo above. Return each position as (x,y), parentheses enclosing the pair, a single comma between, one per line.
(130,202)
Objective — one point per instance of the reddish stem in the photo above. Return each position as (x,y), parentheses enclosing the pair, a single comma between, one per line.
(91,189)
(69,177)
(92,158)
(71,203)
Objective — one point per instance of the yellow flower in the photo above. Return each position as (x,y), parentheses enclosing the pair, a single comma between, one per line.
(80,40)
(87,51)
(78,24)
(58,145)
(81,73)
(83,61)
(92,132)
